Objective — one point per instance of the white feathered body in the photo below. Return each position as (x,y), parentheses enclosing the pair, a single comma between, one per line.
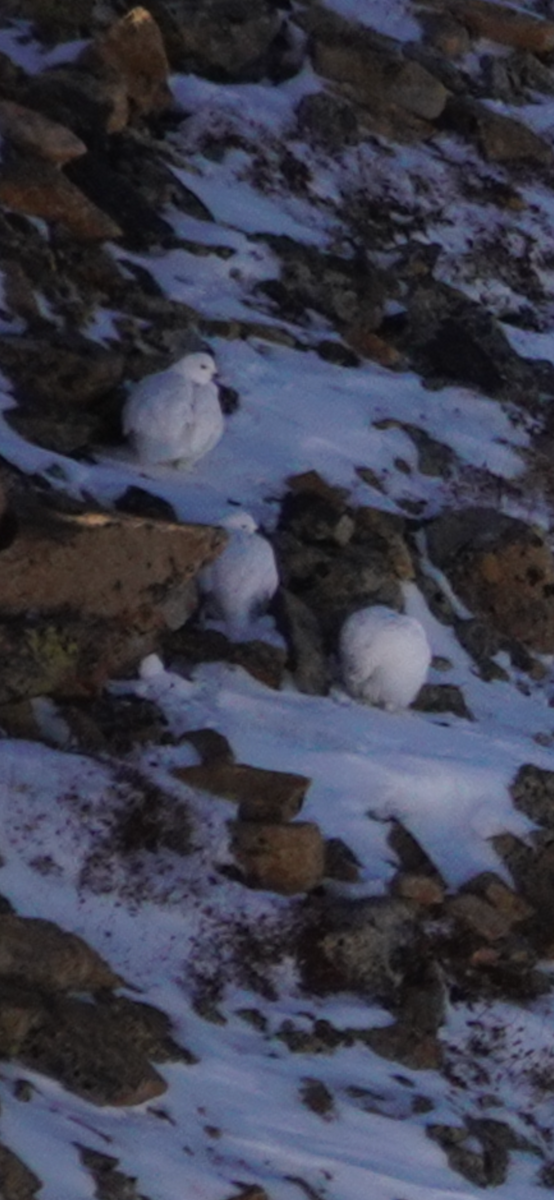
(240,583)
(384,657)
(174,417)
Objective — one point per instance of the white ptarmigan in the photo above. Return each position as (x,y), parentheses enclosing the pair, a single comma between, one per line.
(384,656)
(239,584)
(174,416)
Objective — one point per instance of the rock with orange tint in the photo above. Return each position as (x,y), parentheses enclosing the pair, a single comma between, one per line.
(36,133)
(35,187)
(509,26)
(280,858)
(134,49)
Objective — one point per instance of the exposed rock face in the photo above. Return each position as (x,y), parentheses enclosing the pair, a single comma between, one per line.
(502,569)
(399,93)
(42,955)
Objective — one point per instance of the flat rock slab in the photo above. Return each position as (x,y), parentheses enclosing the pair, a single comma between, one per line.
(261,795)
(103,565)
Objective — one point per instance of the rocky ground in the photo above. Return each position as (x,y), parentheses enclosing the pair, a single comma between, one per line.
(436,154)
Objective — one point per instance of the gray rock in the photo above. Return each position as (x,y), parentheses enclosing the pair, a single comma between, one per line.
(362,946)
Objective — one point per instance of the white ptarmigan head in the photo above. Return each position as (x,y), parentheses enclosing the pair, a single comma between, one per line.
(199,367)
(174,416)
(240,584)
(384,657)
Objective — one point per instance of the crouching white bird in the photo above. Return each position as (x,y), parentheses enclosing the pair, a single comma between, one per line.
(174,416)
(384,656)
(240,583)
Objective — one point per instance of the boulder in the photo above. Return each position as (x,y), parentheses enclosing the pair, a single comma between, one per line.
(275,796)
(279,858)
(86,1049)
(501,139)
(229,39)
(43,955)
(36,133)
(362,946)
(35,187)
(506,25)
(375,72)
(133,48)
(502,569)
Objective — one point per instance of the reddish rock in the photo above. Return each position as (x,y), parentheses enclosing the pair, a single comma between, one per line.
(509,26)
(133,47)
(37,188)
(38,134)
(280,858)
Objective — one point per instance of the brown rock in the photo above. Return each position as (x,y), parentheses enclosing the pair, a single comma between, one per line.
(512,907)
(509,26)
(98,565)
(374,69)
(398,1042)
(36,188)
(38,134)
(41,954)
(368,343)
(262,795)
(18,1182)
(211,745)
(502,569)
(423,890)
(133,47)
(280,858)
(500,138)
(479,916)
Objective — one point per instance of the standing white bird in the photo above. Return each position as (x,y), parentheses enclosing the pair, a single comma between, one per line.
(384,656)
(239,584)
(174,416)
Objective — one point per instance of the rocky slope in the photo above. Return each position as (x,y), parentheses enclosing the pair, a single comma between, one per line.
(423,163)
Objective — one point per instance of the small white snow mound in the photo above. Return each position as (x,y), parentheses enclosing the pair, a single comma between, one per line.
(384,656)
(239,585)
(151,667)
(174,416)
